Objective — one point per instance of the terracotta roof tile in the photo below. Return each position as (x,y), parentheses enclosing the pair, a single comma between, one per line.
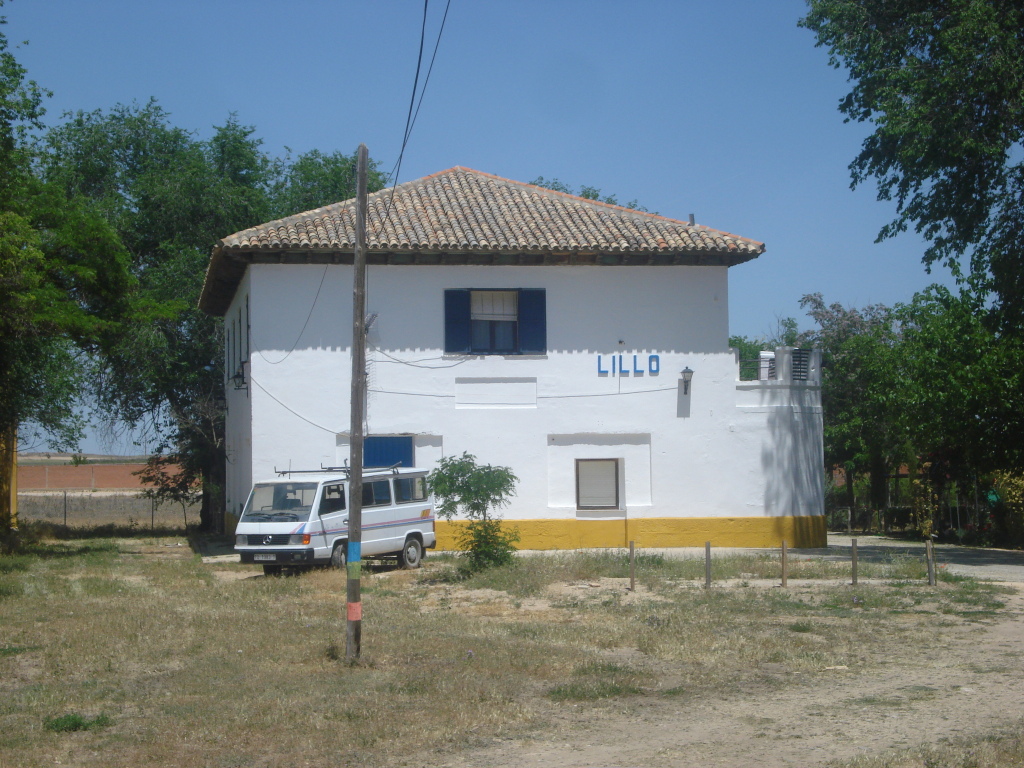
(462,212)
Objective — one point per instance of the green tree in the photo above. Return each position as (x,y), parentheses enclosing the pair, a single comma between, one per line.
(461,486)
(943,83)
(170,196)
(314,179)
(63,287)
(863,433)
(587,192)
(960,390)
(749,349)
(960,384)
(785,334)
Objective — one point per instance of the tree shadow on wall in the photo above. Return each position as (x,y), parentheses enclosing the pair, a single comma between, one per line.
(792,458)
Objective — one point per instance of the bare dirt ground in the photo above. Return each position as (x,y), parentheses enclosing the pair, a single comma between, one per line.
(972,688)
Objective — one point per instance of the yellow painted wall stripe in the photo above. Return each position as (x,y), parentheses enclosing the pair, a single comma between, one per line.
(804,531)
(808,531)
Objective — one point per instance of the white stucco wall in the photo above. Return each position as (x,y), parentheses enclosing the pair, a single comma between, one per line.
(723,450)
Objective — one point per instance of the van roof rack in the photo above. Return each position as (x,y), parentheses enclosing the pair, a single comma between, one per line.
(310,471)
(394,469)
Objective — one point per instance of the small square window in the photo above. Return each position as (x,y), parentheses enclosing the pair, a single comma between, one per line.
(597,484)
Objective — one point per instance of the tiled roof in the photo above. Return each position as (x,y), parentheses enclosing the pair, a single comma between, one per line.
(462,216)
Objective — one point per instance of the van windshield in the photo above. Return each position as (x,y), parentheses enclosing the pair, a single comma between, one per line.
(279,502)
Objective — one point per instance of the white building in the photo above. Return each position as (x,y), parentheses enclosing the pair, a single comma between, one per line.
(533,329)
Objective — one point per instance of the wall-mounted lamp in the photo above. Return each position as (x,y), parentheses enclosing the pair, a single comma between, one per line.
(239,378)
(687,375)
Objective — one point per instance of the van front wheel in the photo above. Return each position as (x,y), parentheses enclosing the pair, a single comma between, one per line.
(338,557)
(411,555)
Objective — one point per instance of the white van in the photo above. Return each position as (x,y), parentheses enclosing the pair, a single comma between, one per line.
(300,519)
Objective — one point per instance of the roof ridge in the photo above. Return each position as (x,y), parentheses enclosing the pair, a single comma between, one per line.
(545,191)
(321,224)
(586,200)
(548,191)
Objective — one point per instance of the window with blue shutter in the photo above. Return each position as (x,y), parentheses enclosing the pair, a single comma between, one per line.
(387,450)
(495,322)
(533,322)
(456,322)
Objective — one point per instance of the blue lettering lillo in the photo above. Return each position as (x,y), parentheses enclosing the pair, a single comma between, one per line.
(654,364)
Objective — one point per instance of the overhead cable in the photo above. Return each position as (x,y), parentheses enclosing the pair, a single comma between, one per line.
(410,119)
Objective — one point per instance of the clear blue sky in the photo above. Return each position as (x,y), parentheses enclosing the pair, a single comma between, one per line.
(720,108)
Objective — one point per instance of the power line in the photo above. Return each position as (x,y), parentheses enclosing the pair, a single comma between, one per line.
(297,338)
(415,363)
(292,410)
(430,69)
(444,396)
(410,119)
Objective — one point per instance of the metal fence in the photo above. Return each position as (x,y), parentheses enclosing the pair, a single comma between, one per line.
(92,509)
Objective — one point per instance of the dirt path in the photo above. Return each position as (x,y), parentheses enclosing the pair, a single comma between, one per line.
(972,688)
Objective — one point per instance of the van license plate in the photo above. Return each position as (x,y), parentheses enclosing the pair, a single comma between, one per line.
(264,557)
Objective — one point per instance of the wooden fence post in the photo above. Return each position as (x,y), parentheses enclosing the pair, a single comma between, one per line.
(785,564)
(930,555)
(707,565)
(632,569)
(853,557)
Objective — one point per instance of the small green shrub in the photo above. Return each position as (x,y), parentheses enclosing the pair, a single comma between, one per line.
(75,722)
(598,680)
(11,588)
(487,544)
(14,650)
(13,563)
(460,485)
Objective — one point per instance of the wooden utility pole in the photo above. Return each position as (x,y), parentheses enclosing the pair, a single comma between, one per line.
(354,626)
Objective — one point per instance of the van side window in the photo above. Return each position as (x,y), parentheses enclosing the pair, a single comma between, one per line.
(333,499)
(410,489)
(377,493)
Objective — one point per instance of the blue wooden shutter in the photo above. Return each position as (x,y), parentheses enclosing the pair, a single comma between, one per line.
(456,322)
(387,450)
(533,321)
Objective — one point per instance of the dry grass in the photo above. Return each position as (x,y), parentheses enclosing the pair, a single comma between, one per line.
(1004,749)
(193,664)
